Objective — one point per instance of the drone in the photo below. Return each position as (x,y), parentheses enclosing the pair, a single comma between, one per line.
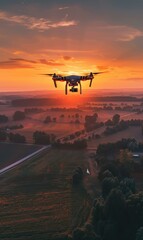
(72,81)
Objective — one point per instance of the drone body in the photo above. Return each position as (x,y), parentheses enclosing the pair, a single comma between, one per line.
(72,81)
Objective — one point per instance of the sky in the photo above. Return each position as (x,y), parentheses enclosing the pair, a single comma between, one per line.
(71,37)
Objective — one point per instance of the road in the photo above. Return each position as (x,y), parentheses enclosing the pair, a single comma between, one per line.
(27,158)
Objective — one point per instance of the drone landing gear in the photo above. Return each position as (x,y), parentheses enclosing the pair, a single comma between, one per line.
(66,88)
(90,82)
(80,88)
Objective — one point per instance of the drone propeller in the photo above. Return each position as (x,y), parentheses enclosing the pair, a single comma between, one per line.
(95,73)
(47,74)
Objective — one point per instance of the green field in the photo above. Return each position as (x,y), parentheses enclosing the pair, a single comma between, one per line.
(37,198)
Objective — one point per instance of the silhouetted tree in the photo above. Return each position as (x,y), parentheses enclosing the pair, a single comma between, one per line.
(16,138)
(19,115)
(48,119)
(116,119)
(139,234)
(3,119)
(3,136)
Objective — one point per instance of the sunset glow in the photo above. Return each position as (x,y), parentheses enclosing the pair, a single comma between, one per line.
(70,37)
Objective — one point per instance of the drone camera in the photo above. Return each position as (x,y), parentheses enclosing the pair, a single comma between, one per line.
(74,90)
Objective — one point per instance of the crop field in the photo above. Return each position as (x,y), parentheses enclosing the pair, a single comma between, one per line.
(131,132)
(38,200)
(10,153)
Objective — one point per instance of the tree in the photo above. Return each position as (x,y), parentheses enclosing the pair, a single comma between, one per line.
(108,184)
(3,119)
(116,119)
(115,207)
(77,115)
(109,122)
(19,115)
(135,211)
(139,234)
(3,136)
(127,185)
(16,138)
(41,138)
(48,119)
(54,119)
(77,176)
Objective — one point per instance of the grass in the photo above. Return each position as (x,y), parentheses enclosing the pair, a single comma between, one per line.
(38,200)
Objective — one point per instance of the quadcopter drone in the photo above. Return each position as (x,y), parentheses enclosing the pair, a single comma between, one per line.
(72,81)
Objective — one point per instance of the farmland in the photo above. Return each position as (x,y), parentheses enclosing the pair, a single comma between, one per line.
(38,200)
(10,153)
(63,126)
(131,132)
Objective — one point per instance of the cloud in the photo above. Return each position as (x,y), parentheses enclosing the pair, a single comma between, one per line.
(103,67)
(22,60)
(50,62)
(14,63)
(35,23)
(121,32)
(125,33)
(18,52)
(67,58)
(134,79)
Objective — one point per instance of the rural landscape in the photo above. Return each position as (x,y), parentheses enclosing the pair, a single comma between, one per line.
(60,165)
(71,120)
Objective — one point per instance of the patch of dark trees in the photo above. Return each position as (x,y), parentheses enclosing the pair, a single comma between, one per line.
(43,138)
(131,122)
(106,107)
(74,135)
(33,110)
(12,137)
(119,127)
(3,119)
(18,116)
(129,143)
(12,127)
(113,127)
(48,119)
(117,213)
(91,122)
(16,138)
(76,145)
(77,176)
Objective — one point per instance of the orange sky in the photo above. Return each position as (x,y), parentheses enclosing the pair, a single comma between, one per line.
(70,38)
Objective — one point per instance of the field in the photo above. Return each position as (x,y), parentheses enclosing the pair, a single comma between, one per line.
(131,132)
(10,153)
(38,200)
